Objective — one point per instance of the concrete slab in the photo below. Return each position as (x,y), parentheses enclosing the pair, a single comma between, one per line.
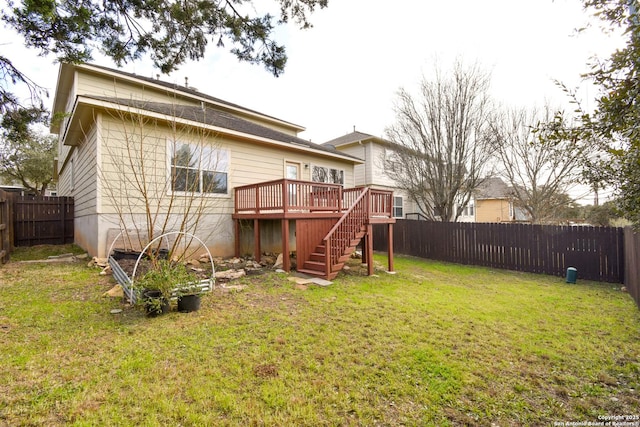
(320,282)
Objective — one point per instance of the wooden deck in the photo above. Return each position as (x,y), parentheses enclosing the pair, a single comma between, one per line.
(330,220)
(292,199)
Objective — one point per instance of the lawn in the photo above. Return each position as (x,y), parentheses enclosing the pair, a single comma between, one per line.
(435,344)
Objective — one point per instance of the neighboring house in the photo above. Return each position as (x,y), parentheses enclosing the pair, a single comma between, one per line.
(13,187)
(373,150)
(191,148)
(493,201)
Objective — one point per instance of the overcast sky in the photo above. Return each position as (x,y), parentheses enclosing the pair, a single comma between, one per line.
(346,70)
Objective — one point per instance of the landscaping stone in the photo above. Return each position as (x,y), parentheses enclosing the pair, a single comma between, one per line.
(279,262)
(115,292)
(230,274)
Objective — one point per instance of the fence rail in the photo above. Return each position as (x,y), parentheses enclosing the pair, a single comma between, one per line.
(42,220)
(596,252)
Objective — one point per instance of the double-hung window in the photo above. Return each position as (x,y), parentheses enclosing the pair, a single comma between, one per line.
(198,169)
(398,211)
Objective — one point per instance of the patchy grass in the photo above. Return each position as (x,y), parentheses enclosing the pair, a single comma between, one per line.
(435,344)
(44,251)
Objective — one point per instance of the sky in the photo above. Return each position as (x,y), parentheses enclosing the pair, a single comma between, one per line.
(344,73)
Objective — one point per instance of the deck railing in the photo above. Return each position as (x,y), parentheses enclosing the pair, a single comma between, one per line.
(288,195)
(339,238)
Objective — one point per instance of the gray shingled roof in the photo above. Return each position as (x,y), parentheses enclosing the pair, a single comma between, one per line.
(219,118)
(348,138)
(493,188)
(187,90)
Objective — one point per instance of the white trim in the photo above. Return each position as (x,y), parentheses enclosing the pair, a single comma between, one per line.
(226,195)
(394,206)
(98,125)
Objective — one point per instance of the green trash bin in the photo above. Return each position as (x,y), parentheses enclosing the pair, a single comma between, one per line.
(572,275)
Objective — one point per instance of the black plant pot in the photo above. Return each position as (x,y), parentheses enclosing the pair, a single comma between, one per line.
(154,303)
(120,254)
(188,303)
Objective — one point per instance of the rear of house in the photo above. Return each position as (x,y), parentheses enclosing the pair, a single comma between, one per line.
(146,156)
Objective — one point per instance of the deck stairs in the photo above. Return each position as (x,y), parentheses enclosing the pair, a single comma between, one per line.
(329,256)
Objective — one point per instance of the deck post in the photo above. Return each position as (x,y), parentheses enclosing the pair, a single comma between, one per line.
(256,240)
(286,261)
(369,249)
(364,249)
(390,246)
(236,243)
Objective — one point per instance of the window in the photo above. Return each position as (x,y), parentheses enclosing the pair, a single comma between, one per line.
(328,175)
(468,210)
(398,211)
(198,169)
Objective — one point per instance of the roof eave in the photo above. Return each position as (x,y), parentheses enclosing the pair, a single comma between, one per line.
(82,101)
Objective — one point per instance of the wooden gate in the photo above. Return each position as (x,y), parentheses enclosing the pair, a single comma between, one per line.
(40,220)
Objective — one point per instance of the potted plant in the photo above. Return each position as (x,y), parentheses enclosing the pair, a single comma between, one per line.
(159,283)
(189,298)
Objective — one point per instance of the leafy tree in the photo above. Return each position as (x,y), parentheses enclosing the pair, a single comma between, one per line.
(442,140)
(26,154)
(612,128)
(170,31)
(601,215)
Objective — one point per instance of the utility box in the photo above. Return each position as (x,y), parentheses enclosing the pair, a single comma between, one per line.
(572,275)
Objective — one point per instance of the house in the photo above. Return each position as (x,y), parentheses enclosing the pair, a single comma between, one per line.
(142,156)
(373,150)
(493,201)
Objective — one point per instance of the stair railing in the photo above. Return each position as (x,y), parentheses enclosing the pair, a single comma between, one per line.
(339,238)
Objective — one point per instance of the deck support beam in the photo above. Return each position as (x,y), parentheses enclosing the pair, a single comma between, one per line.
(369,249)
(286,260)
(236,243)
(256,240)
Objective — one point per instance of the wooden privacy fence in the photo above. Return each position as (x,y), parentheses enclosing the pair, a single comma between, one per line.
(631,264)
(40,220)
(596,252)
(6,218)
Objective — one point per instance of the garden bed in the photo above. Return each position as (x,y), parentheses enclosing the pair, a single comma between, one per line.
(123,271)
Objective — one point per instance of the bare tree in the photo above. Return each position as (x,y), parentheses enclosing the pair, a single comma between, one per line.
(442,151)
(540,170)
(160,176)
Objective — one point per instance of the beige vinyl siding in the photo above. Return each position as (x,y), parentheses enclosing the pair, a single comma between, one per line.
(492,210)
(134,163)
(377,160)
(253,163)
(359,151)
(100,85)
(249,163)
(64,150)
(84,164)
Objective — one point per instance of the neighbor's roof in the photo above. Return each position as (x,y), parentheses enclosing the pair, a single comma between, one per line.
(221,119)
(355,137)
(349,139)
(493,188)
